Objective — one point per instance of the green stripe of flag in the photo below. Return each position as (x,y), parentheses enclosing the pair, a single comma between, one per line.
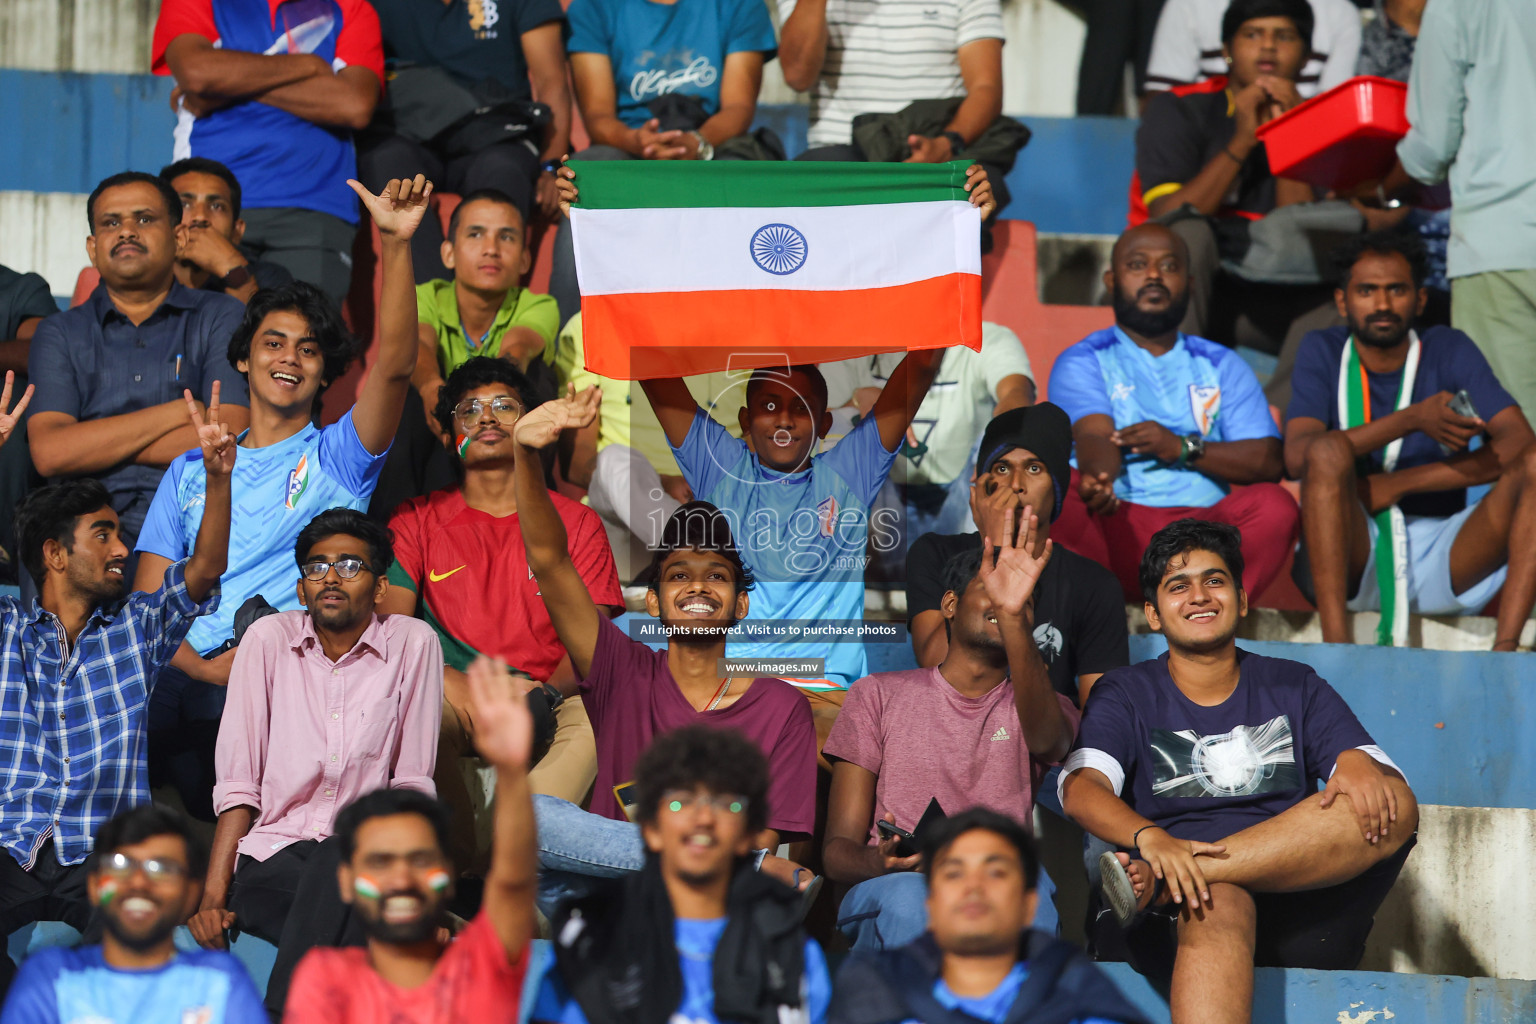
(654,184)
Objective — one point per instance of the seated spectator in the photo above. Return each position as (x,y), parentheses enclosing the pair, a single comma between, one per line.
(982,946)
(1456,555)
(144,874)
(396,873)
(1165,424)
(274,94)
(86,739)
(1190,45)
(1080,628)
(24,301)
(455,58)
(697,588)
(1205,764)
(288,349)
(1203,171)
(979,729)
(110,373)
(333,678)
(929,487)
(702,797)
(462,567)
(210,257)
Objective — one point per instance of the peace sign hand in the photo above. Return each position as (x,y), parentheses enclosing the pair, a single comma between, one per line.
(8,420)
(213,435)
(1014,570)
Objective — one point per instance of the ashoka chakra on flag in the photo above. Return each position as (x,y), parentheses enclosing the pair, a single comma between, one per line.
(690,267)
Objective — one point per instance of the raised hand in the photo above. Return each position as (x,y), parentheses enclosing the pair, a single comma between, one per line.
(541,427)
(399,207)
(8,420)
(213,436)
(1010,569)
(503,723)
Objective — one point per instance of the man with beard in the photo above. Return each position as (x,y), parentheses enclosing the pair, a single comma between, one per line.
(1165,425)
(110,372)
(1385,449)
(77,668)
(144,879)
(396,874)
(325,704)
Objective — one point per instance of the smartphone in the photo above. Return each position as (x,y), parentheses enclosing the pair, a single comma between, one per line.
(1461,405)
(908,842)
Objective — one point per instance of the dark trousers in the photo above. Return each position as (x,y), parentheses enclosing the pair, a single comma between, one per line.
(312,246)
(291,899)
(1118,31)
(49,892)
(183,732)
(510,167)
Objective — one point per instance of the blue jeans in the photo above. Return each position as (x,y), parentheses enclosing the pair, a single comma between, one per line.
(576,846)
(892,910)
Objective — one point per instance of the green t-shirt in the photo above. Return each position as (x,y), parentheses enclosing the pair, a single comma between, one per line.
(437,306)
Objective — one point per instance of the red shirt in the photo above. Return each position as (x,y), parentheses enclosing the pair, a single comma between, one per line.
(471,573)
(472,982)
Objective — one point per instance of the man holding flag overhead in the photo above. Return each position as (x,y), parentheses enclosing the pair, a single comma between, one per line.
(803,517)
(1399,534)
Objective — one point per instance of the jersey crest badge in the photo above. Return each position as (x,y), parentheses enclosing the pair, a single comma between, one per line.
(826,515)
(1205,403)
(298,482)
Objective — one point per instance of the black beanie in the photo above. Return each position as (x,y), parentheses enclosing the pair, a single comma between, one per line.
(1043,429)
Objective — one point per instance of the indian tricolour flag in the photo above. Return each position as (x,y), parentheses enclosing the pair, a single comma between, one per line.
(690,267)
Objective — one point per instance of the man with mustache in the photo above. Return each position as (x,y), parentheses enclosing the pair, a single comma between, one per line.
(324,705)
(110,372)
(1398,458)
(145,877)
(1165,425)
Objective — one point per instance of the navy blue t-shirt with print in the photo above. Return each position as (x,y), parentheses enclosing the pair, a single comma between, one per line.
(1448,361)
(1204,773)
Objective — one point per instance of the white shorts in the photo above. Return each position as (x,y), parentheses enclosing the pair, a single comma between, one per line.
(1429,570)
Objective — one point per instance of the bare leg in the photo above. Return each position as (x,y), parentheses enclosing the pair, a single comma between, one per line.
(1334,527)
(1502,529)
(1213,970)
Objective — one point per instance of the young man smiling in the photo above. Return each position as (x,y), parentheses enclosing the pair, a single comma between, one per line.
(145,876)
(1205,765)
(290,347)
(325,704)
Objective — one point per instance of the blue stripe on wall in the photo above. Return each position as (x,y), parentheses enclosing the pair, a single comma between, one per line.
(68,131)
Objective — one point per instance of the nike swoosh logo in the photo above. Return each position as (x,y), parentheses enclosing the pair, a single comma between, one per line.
(436,578)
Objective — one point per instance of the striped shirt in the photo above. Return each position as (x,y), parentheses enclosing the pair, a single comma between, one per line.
(1187,45)
(884,54)
(73,717)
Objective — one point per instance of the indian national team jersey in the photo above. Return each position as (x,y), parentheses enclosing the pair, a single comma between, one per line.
(276,491)
(1197,387)
(803,535)
(76,986)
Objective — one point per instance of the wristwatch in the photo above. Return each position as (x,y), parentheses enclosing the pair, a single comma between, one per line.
(549,166)
(956,142)
(236,278)
(1194,447)
(706,151)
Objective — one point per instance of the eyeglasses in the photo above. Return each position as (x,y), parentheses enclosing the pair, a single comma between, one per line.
(679,800)
(346,568)
(503,407)
(122,867)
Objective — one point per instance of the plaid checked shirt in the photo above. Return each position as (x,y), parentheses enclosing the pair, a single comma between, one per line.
(73,719)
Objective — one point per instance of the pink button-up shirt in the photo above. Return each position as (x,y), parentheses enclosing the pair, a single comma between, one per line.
(303,736)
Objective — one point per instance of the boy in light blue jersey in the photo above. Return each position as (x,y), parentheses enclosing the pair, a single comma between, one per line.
(1165,424)
(145,878)
(291,346)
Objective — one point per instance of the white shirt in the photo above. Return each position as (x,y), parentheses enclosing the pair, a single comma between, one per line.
(1187,46)
(884,54)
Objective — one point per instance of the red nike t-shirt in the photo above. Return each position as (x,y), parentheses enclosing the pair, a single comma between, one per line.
(471,574)
(473,981)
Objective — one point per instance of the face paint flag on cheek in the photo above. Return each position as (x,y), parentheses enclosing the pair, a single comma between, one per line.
(463,444)
(365,887)
(439,880)
(107,891)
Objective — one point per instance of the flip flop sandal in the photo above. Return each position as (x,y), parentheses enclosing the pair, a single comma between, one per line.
(1118,891)
(809,893)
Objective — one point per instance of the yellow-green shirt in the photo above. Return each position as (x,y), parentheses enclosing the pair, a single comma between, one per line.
(438,306)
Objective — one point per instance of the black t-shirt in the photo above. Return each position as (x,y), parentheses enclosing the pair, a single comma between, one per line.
(1179,135)
(470,39)
(266,273)
(22,297)
(1079,613)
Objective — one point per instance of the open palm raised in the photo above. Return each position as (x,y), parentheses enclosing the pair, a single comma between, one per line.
(541,427)
(1011,570)
(503,723)
(399,206)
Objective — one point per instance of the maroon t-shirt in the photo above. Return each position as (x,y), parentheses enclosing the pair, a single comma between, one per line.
(631,698)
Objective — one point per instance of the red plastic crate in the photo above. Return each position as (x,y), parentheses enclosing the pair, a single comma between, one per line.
(1343,137)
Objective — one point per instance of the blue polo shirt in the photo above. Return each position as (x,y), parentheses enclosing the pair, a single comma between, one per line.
(73,986)
(91,362)
(1196,387)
